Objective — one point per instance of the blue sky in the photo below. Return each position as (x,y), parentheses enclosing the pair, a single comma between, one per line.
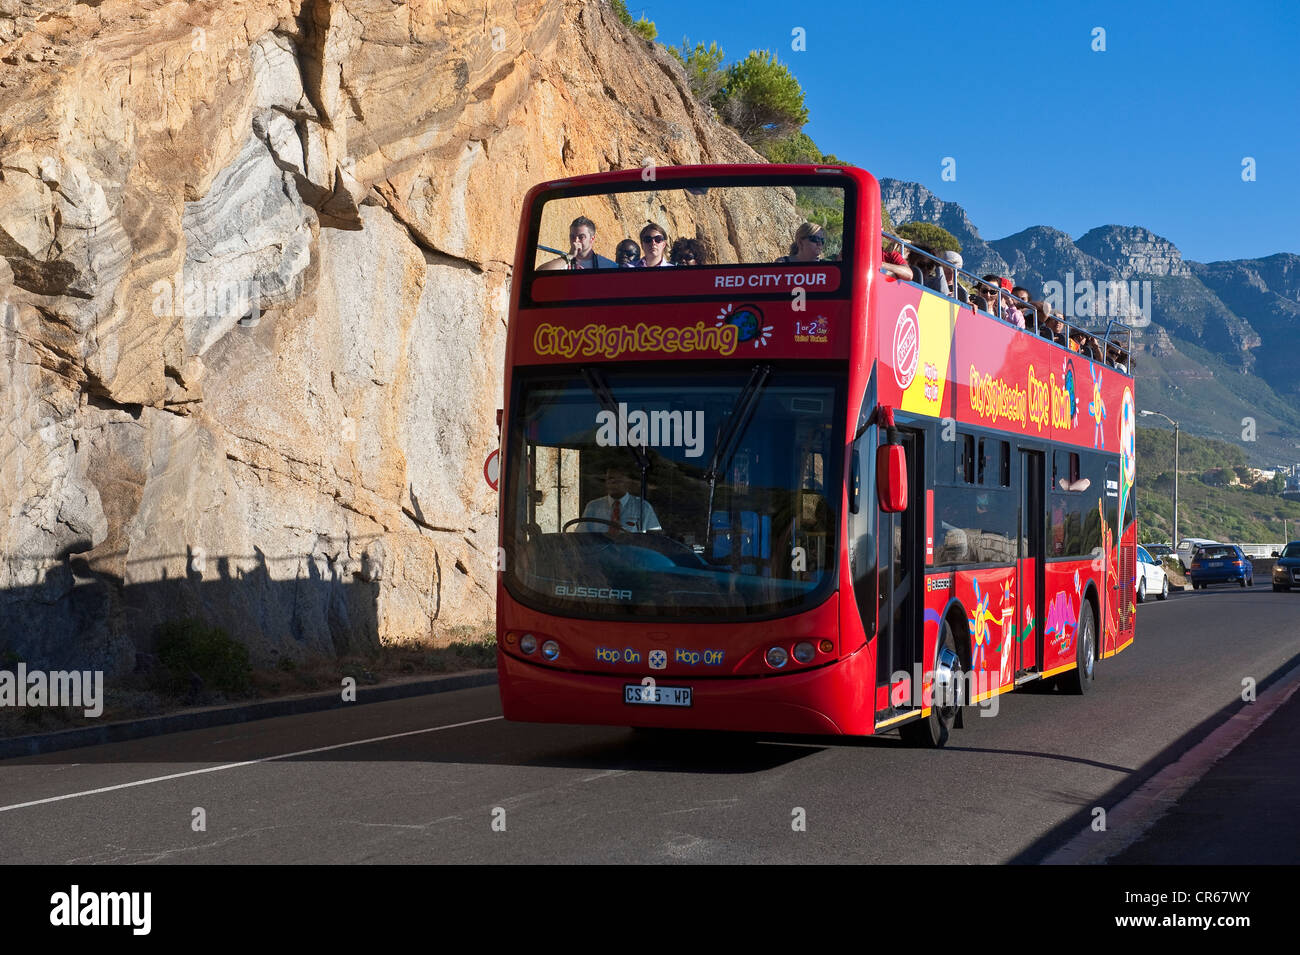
(1151,132)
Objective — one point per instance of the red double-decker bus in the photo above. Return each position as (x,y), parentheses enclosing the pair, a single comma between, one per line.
(778,488)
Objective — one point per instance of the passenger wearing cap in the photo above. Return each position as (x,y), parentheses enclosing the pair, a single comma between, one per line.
(955,289)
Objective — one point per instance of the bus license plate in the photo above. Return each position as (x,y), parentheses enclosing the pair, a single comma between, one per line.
(657,695)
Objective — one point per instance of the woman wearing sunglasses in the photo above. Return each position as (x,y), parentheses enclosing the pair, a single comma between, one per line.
(654,244)
(807,245)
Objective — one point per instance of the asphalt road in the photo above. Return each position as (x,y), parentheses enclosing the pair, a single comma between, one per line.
(1008,788)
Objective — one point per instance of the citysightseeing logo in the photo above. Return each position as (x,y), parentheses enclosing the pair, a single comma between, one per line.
(614,341)
(907,346)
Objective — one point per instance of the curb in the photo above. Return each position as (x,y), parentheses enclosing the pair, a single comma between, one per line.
(1138,812)
(124,730)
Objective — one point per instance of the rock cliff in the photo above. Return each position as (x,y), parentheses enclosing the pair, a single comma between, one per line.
(254,268)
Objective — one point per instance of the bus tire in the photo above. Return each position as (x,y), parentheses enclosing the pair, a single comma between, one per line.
(1142,590)
(931,732)
(1079,680)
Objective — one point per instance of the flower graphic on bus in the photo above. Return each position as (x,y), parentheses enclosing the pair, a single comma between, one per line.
(1029,624)
(1061,621)
(1008,624)
(1097,410)
(979,629)
(748,320)
(1072,391)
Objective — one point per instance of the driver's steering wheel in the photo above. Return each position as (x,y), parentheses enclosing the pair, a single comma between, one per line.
(589,520)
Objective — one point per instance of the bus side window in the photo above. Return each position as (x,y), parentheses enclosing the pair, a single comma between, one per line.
(966,459)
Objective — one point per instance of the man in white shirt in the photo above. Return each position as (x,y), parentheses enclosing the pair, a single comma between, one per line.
(619,506)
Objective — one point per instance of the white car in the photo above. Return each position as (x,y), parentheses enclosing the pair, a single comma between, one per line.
(1187,548)
(1151,577)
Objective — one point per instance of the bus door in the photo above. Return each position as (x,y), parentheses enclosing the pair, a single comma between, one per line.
(1033,542)
(901,562)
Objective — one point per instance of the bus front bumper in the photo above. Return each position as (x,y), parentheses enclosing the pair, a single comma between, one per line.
(831,700)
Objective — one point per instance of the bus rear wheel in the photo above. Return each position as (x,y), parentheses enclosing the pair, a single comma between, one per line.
(947,688)
(1079,680)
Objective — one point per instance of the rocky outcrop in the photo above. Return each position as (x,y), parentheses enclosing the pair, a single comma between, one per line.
(254,268)
(1133,251)
(912,202)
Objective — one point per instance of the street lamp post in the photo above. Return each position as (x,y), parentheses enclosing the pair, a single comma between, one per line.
(1175,424)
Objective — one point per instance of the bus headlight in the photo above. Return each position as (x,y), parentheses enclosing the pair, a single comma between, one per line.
(528,643)
(550,649)
(804,652)
(777,657)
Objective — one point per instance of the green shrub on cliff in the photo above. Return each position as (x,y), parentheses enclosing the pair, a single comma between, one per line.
(191,646)
(761,100)
(703,68)
(645,29)
(620,11)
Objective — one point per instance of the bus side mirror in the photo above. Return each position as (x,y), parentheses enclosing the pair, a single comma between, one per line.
(891,478)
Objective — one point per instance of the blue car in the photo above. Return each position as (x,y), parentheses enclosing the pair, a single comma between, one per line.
(1286,572)
(1221,563)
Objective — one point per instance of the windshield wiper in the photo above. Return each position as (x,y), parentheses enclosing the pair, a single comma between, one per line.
(600,388)
(730,432)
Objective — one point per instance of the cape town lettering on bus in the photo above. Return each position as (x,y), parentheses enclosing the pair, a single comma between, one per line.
(1040,402)
(611,341)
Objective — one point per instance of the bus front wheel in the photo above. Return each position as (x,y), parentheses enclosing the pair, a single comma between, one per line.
(1079,680)
(948,689)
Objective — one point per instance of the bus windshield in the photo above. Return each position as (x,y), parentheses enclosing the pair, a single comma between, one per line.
(692,494)
(649,225)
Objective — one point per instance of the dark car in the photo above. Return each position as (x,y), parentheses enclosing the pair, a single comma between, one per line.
(1159,551)
(1221,563)
(1286,572)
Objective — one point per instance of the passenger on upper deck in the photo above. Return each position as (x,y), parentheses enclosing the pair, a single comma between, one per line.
(1053,327)
(955,288)
(926,270)
(1116,358)
(687,252)
(582,233)
(809,239)
(1087,345)
(654,240)
(627,254)
(892,261)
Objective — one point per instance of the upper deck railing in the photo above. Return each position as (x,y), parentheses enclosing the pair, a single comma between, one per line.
(1113,345)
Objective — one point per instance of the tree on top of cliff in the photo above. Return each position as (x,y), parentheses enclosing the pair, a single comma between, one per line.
(643,28)
(703,68)
(761,99)
(927,233)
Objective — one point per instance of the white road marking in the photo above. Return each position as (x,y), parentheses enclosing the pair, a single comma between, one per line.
(247,762)
(1129,821)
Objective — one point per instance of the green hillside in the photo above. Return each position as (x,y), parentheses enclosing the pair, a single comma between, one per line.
(1209,505)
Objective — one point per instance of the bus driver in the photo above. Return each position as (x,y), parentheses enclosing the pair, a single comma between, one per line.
(620,506)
